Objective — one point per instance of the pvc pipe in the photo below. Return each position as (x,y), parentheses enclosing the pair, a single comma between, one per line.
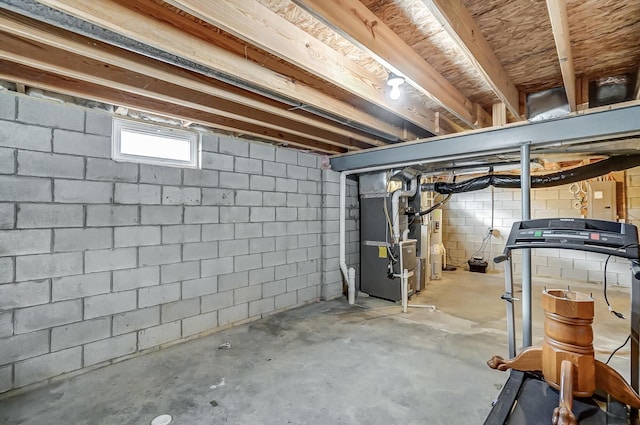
(405,289)
(352,286)
(444,257)
(395,206)
(342,229)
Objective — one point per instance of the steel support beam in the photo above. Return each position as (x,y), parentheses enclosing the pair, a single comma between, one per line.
(624,121)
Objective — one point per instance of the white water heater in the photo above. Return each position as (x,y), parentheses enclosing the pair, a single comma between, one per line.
(436,249)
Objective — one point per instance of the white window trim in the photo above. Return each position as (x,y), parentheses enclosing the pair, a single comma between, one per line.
(119,124)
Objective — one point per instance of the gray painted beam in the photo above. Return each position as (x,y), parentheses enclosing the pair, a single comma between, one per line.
(624,121)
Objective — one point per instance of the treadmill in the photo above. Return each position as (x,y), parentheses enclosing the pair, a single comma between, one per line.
(526,399)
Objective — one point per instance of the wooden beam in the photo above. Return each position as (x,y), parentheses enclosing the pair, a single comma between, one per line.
(48,81)
(53,60)
(636,90)
(76,44)
(582,94)
(357,23)
(120,19)
(499,114)
(560,26)
(256,24)
(463,30)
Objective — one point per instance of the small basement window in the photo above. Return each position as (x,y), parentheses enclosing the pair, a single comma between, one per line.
(135,141)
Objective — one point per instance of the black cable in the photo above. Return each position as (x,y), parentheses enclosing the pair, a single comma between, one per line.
(616,350)
(482,247)
(434,207)
(604,281)
(606,299)
(620,315)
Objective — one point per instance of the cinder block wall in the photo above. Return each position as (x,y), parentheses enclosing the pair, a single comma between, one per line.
(468,218)
(102,260)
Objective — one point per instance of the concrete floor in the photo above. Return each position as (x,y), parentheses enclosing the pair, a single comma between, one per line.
(325,363)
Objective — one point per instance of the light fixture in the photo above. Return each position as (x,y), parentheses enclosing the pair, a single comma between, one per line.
(394,81)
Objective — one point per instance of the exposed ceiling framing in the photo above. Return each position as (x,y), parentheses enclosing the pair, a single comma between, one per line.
(560,25)
(311,74)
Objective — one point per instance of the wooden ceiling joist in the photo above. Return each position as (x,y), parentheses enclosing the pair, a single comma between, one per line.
(120,19)
(75,44)
(68,65)
(636,90)
(66,85)
(357,23)
(499,114)
(254,23)
(463,30)
(560,26)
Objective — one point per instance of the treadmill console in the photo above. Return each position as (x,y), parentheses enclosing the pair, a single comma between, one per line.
(605,237)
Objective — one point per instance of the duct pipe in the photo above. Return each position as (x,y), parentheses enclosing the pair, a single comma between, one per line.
(614,163)
(395,207)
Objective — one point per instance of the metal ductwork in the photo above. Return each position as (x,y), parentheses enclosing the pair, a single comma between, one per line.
(615,163)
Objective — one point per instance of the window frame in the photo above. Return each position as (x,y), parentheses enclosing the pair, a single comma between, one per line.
(120,124)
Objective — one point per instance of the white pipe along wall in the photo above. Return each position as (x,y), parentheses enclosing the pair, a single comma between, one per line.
(395,201)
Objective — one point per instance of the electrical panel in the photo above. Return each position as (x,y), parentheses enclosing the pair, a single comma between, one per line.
(601,200)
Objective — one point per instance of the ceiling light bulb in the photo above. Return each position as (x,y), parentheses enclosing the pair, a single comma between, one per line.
(395,81)
(395,93)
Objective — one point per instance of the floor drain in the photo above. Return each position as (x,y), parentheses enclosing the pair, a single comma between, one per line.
(161,420)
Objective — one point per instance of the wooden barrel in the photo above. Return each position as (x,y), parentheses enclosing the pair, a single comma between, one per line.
(569,336)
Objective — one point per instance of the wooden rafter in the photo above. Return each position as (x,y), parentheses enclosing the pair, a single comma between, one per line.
(499,114)
(254,23)
(463,30)
(121,19)
(68,65)
(66,85)
(353,20)
(636,90)
(560,26)
(76,44)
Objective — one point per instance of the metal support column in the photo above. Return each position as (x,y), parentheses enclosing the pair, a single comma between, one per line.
(508,297)
(525,178)
(635,334)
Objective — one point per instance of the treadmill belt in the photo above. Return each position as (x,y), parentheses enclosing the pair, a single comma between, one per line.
(536,400)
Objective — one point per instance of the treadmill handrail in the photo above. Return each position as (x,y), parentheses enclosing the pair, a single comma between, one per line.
(626,234)
(616,252)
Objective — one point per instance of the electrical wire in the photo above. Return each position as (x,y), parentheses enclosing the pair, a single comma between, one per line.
(604,281)
(617,349)
(482,247)
(606,299)
(435,206)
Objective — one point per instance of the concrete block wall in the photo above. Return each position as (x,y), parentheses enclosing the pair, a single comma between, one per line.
(102,260)
(468,217)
